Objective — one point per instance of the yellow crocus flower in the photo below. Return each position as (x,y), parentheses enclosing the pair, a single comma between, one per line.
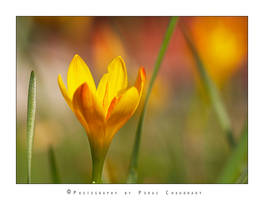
(102,111)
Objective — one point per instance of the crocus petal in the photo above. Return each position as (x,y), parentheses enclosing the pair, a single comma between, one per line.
(117,76)
(113,82)
(65,94)
(140,82)
(64,91)
(121,109)
(103,91)
(81,119)
(79,73)
(86,103)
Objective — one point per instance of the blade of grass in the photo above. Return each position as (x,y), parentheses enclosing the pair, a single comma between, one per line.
(232,169)
(212,91)
(132,176)
(243,178)
(53,166)
(31,112)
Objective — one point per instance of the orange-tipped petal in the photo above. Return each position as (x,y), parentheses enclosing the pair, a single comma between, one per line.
(141,79)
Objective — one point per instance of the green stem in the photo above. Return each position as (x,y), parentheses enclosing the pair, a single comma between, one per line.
(98,164)
(98,156)
(212,92)
(31,112)
(132,177)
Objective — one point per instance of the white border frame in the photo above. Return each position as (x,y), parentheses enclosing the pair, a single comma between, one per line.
(9,11)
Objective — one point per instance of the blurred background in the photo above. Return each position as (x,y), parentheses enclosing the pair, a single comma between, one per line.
(182,140)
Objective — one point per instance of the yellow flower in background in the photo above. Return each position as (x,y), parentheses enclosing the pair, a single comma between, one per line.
(102,111)
(222,44)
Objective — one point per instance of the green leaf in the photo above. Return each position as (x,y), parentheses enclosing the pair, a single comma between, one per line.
(212,91)
(31,113)
(53,166)
(243,178)
(234,166)
(132,176)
